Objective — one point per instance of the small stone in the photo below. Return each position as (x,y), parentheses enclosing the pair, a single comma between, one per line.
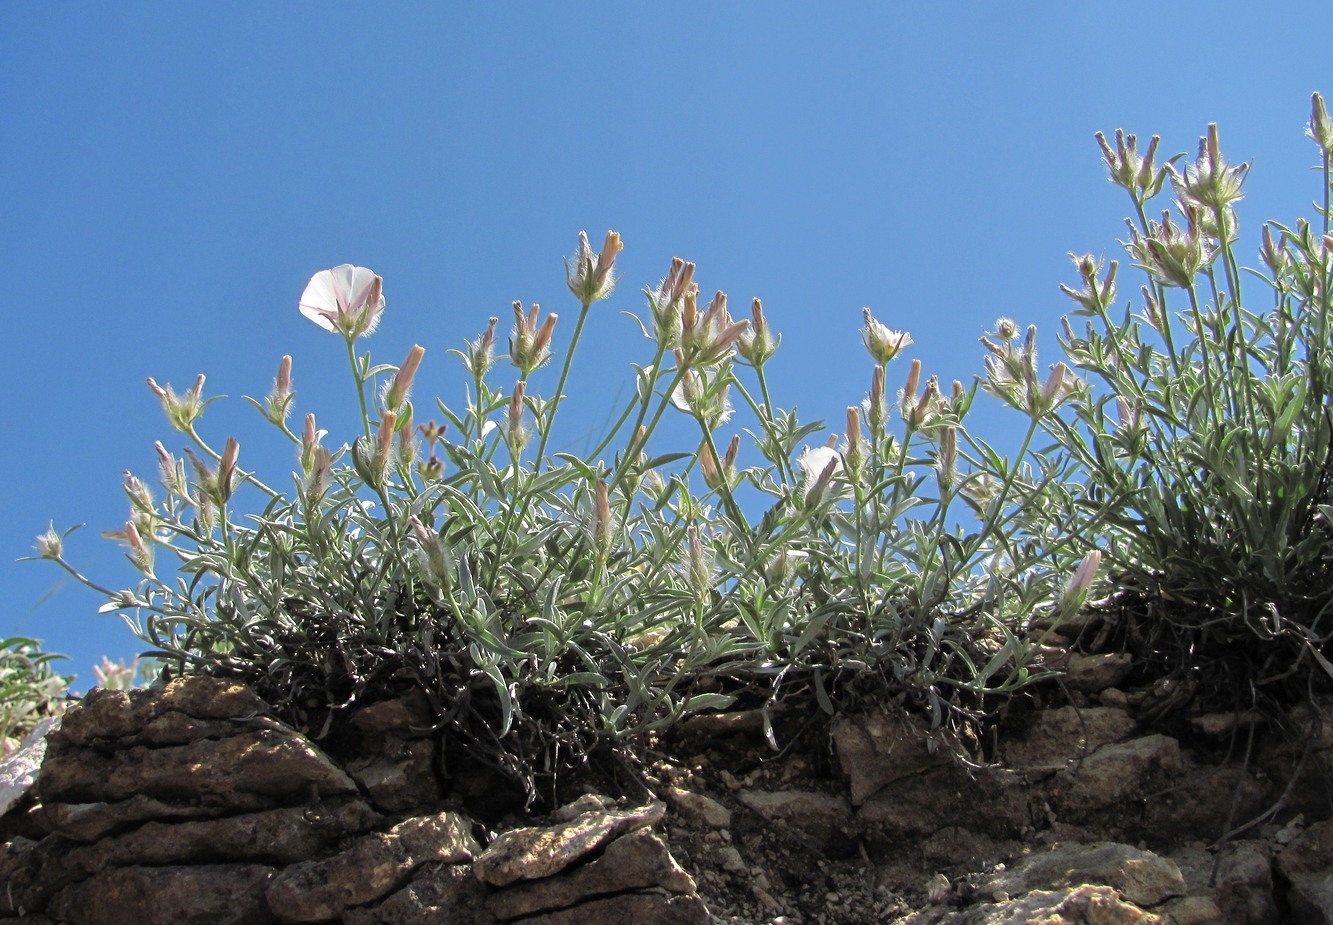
(1091,674)
(698,809)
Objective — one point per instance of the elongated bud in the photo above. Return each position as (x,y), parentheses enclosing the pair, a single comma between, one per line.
(516,432)
(401,386)
(699,566)
(1321,128)
(226,476)
(877,406)
(590,277)
(603,523)
(279,401)
(320,474)
(855,453)
(757,344)
(1076,590)
(947,461)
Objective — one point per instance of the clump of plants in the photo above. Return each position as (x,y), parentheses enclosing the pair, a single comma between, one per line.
(1201,462)
(551,604)
(30,690)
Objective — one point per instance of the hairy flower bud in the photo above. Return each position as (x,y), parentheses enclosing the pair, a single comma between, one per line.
(401,385)
(591,278)
(530,345)
(182,410)
(758,343)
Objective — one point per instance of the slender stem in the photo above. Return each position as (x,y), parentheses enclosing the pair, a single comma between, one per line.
(358,374)
(560,386)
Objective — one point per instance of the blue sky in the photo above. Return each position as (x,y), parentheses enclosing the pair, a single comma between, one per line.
(172,175)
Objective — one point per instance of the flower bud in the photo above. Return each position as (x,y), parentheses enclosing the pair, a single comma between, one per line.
(758,344)
(591,278)
(433,556)
(401,385)
(530,346)
(1320,130)
(876,405)
(279,401)
(480,353)
(516,430)
(854,455)
(603,523)
(182,410)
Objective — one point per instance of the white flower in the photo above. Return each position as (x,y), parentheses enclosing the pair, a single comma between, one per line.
(818,466)
(345,299)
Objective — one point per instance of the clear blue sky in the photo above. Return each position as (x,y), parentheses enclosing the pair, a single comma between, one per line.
(172,174)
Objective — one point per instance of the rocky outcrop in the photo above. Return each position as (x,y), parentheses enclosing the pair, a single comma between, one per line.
(193,805)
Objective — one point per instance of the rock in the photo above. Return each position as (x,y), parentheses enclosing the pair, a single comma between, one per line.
(273,762)
(1219,725)
(403,717)
(1090,674)
(637,861)
(372,867)
(18,772)
(636,908)
(90,821)
(1067,734)
(1083,905)
(110,714)
(876,749)
(1116,773)
(822,818)
(534,852)
(398,774)
(439,894)
(1194,910)
(1140,877)
(991,801)
(1243,888)
(278,836)
(1307,863)
(209,894)
(698,809)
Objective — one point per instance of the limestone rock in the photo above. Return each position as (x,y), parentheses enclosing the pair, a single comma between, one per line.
(698,809)
(1307,863)
(821,817)
(991,801)
(209,894)
(1243,888)
(534,852)
(110,714)
(398,774)
(19,770)
(1067,734)
(90,821)
(637,861)
(272,762)
(439,894)
(1140,877)
(876,749)
(1115,773)
(1090,674)
(1084,905)
(636,908)
(370,869)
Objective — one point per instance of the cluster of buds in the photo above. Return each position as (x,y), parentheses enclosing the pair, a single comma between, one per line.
(373,457)
(1011,375)
(707,338)
(882,342)
(216,485)
(1174,256)
(926,412)
(1320,129)
(278,404)
(182,410)
(172,472)
(719,473)
(1097,295)
(590,277)
(1134,172)
(758,343)
(1210,183)
(667,301)
(345,299)
(702,394)
(530,345)
(479,356)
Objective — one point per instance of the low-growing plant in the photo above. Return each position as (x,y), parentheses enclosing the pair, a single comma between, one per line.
(547,603)
(1202,458)
(30,689)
